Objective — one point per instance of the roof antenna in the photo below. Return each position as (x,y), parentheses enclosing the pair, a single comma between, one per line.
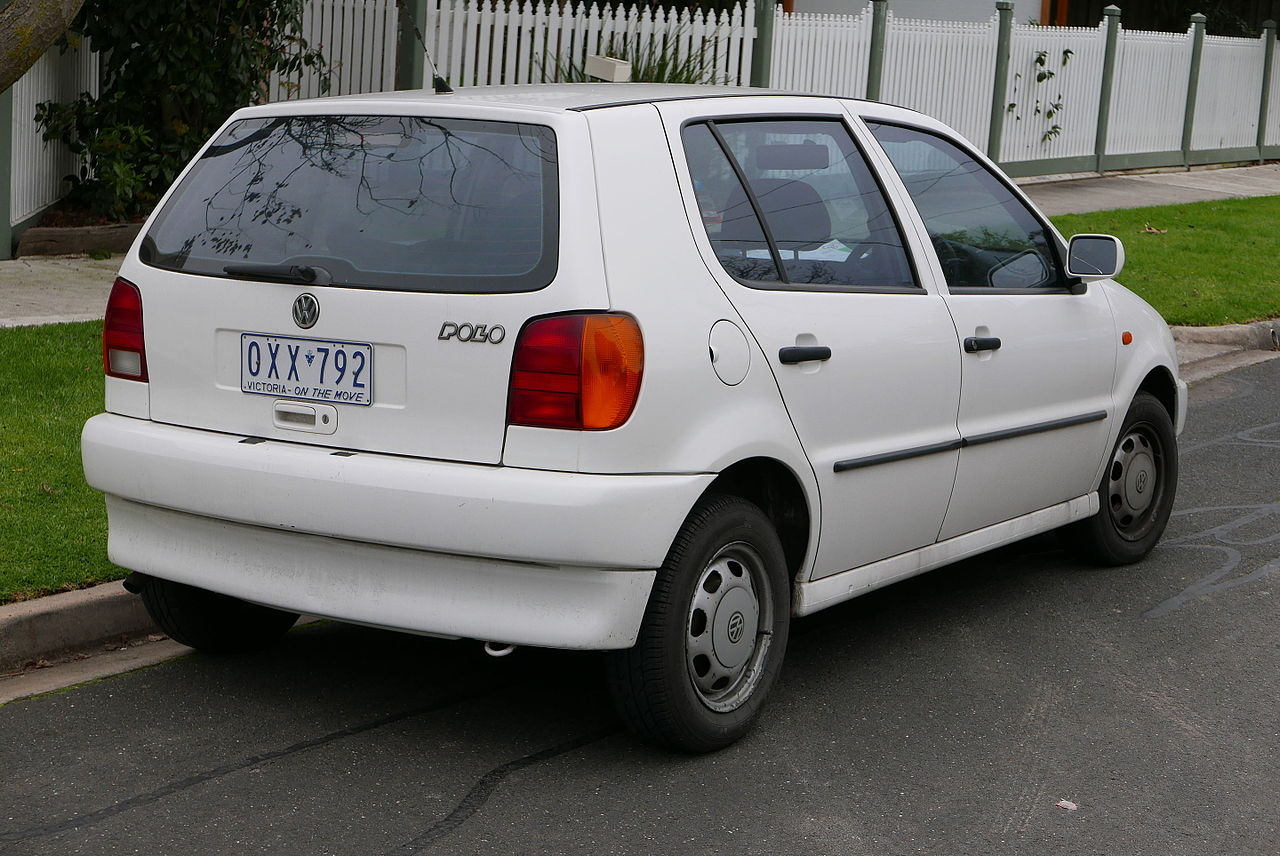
(438,83)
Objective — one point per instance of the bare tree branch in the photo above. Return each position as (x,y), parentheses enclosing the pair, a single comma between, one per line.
(27,29)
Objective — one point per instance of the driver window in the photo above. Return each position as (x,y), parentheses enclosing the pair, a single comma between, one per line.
(810,213)
(984,236)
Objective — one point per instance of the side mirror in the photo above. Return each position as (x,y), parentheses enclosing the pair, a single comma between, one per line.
(1094,257)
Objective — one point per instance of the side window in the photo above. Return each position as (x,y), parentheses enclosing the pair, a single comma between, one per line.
(985,236)
(792,202)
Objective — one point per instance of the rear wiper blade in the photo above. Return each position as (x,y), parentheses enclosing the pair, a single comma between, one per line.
(303,274)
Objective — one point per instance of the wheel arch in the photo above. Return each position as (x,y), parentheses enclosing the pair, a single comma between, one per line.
(780,494)
(1159,382)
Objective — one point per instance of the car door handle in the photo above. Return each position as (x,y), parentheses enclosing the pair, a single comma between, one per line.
(973,344)
(803,354)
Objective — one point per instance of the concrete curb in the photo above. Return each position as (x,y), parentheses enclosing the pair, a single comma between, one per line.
(1258,336)
(46,627)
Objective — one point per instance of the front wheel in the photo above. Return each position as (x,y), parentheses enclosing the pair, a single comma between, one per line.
(1137,489)
(713,635)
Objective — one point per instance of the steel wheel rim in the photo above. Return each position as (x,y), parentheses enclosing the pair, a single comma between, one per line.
(1135,482)
(728,627)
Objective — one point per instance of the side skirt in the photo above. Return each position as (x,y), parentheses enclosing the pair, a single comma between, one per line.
(815,595)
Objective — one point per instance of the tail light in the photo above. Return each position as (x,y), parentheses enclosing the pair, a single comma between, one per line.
(123,352)
(576,371)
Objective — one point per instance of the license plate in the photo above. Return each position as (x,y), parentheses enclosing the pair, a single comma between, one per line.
(309,369)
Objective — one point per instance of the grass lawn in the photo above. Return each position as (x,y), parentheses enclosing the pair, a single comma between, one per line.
(53,527)
(1211,262)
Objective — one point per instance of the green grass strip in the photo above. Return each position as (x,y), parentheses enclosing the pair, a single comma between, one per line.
(53,526)
(1199,264)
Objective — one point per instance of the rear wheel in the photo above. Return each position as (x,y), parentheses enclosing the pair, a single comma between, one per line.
(213,622)
(1137,489)
(714,633)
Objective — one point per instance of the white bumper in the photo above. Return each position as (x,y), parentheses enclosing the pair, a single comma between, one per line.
(521,556)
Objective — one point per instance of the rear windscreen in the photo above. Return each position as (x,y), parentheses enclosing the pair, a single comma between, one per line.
(386,202)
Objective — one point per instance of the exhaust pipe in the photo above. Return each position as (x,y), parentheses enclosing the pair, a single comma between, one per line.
(494,649)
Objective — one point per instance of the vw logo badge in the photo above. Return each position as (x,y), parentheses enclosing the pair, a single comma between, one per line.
(306,311)
(735,627)
(1141,482)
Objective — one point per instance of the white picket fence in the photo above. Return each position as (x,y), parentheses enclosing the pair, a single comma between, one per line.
(483,42)
(946,69)
(357,37)
(37,167)
(1055,83)
(1146,110)
(824,54)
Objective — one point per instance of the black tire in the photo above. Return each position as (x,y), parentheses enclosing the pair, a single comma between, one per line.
(677,687)
(216,623)
(1136,492)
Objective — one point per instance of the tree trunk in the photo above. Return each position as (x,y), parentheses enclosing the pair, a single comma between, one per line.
(27,29)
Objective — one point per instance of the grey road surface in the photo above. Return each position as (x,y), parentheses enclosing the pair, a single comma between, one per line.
(950,714)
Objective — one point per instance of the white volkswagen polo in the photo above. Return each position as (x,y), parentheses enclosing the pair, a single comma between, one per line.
(650,369)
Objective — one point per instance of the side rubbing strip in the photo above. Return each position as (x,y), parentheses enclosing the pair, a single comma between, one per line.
(889,457)
(1038,428)
(952,445)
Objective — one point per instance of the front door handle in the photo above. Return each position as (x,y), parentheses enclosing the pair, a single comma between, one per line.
(804,354)
(973,344)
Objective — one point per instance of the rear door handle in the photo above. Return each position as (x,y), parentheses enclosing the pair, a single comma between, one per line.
(804,354)
(973,344)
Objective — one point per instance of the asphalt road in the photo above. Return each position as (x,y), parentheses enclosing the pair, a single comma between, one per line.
(948,715)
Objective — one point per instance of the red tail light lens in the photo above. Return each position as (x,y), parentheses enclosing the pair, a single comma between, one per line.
(123,352)
(580,372)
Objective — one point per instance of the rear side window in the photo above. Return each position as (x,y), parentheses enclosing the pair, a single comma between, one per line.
(386,202)
(985,236)
(791,202)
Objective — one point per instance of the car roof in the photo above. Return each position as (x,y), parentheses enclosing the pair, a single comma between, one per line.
(560,97)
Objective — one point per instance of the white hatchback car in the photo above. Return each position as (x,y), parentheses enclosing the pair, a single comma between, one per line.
(642,368)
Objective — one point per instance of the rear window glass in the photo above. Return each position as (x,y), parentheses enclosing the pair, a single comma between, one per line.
(387,202)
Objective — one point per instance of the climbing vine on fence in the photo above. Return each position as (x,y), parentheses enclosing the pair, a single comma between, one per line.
(1041,107)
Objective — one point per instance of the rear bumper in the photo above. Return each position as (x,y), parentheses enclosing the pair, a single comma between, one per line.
(521,556)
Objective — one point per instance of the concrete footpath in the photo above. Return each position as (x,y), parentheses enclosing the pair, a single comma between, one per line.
(104,630)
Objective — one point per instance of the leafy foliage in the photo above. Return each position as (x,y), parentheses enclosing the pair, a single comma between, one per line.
(653,60)
(171,73)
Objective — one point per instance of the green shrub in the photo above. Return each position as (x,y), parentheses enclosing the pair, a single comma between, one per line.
(171,73)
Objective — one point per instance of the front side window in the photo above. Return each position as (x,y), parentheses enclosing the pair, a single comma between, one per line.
(985,237)
(403,203)
(793,203)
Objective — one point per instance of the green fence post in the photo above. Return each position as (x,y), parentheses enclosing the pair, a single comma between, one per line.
(1000,86)
(1193,84)
(875,61)
(411,56)
(1111,15)
(1269,42)
(6,174)
(762,51)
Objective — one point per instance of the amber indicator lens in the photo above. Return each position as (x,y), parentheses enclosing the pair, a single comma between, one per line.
(580,372)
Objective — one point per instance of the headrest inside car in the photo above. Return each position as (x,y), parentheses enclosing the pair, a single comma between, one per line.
(792,156)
